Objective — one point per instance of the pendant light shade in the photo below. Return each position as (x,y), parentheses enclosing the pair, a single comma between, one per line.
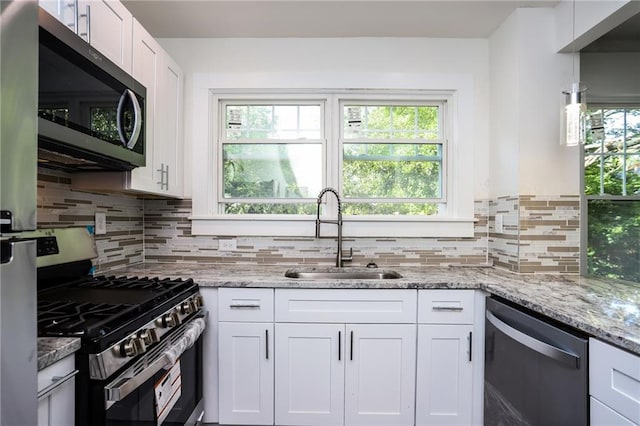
(575,115)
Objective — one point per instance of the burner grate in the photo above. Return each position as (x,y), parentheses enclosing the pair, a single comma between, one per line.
(80,319)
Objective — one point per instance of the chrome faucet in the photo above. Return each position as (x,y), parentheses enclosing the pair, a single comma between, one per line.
(340,258)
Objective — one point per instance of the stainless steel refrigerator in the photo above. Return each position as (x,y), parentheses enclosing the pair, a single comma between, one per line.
(18,198)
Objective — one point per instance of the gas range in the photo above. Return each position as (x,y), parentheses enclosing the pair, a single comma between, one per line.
(132,330)
(117,318)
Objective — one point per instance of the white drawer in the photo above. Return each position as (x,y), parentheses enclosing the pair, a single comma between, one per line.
(55,371)
(346,306)
(601,415)
(445,306)
(614,378)
(245,304)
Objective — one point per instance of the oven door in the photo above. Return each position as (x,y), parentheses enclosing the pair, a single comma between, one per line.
(150,393)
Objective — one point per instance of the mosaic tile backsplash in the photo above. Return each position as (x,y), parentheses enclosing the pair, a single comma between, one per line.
(59,207)
(540,234)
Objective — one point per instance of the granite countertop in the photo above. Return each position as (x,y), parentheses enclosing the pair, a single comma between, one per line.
(52,349)
(606,309)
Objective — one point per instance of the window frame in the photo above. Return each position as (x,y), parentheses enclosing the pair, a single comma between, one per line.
(455,221)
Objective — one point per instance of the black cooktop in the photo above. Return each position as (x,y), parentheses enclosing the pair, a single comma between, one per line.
(106,307)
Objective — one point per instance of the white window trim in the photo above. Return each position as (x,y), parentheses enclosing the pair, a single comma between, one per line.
(458,220)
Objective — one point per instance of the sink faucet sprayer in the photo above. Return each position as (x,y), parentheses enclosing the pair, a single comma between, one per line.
(340,259)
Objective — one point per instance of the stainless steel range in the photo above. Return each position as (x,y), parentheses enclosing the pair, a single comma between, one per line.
(134,332)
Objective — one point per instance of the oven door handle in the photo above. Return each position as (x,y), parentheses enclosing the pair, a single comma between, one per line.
(542,348)
(154,361)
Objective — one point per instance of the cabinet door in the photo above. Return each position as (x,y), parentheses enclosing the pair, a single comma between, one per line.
(444,377)
(310,374)
(380,374)
(146,69)
(168,150)
(57,408)
(63,10)
(107,26)
(246,373)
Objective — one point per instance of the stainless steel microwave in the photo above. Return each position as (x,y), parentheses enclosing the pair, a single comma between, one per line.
(91,113)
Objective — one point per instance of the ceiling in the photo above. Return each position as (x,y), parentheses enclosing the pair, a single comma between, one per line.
(325,18)
(624,38)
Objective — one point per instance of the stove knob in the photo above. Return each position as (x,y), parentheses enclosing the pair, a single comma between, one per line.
(148,336)
(170,319)
(187,307)
(198,301)
(128,348)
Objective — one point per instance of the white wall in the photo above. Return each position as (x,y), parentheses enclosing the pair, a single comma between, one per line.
(344,63)
(527,79)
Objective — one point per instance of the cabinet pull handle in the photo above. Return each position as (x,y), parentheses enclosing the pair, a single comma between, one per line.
(351,352)
(57,382)
(470,345)
(266,335)
(448,308)
(244,306)
(87,34)
(339,345)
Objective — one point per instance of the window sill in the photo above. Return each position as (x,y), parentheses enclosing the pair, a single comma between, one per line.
(361,226)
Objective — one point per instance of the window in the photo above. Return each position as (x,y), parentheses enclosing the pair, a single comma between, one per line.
(272,157)
(612,192)
(274,154)
(392,158)
(402,162)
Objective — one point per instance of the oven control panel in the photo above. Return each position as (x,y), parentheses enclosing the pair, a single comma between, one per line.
(104,364)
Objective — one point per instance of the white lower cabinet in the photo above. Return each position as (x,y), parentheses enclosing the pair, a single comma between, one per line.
(246,373)
(56,393)
(380,374)
(354,374)
(309,374)
(445,375)
(614,385)
(449,379)
(349,357)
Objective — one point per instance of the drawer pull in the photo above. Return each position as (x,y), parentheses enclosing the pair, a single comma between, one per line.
(448,308)
(57,382)
(244,306)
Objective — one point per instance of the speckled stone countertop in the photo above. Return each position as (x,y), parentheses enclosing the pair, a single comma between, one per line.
(52,349)
(606,309)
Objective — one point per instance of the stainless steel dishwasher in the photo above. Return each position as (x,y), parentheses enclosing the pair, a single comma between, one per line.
(535,370)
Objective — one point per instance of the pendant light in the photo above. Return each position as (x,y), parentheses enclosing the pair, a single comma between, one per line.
(575,101)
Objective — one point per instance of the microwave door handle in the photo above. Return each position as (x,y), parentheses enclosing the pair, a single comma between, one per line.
(137,115)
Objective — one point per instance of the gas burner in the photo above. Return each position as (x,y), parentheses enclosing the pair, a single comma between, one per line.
(78,319)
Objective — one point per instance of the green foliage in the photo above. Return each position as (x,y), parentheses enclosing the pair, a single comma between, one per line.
(614,239)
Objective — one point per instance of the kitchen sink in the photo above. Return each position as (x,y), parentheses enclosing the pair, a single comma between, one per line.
(342,274)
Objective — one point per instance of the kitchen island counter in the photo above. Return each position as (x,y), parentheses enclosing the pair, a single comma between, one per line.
(606,309)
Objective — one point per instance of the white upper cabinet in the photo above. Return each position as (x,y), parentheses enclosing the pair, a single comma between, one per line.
(146,69)
(105,24)
(167,143)
(108,26)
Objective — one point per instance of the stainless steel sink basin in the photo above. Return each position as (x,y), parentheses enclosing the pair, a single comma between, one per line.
(342,274)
